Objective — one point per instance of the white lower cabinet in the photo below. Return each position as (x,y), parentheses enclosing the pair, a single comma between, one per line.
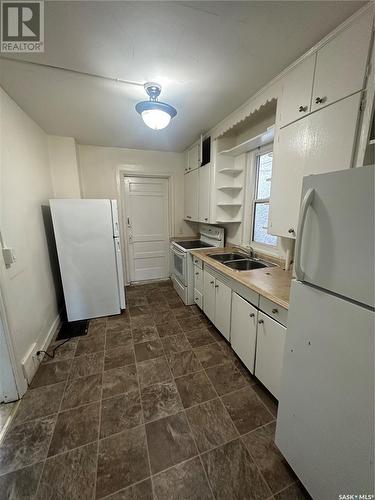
(243,334)
(217,303)
(269,353)
(222,308)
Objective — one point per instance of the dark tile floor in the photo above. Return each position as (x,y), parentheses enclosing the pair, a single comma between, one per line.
(153,404)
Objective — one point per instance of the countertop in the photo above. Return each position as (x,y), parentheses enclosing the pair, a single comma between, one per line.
(270,282)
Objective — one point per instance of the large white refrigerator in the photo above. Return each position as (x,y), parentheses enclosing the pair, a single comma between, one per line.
(325,424)
(89,252)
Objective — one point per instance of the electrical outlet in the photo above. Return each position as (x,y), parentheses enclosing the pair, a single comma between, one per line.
(8,256)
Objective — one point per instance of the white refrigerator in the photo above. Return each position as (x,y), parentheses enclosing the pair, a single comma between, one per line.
(89,252)
(325,424)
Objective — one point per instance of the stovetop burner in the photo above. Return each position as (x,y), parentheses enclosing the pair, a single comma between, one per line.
(189,245)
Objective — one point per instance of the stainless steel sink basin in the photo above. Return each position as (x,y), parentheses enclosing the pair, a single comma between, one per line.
(224,257)
(247,264)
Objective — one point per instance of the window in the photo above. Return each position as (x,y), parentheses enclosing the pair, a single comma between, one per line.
(261,201)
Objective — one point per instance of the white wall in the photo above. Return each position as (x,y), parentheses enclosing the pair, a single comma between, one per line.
(64,166)
(99,168)
(25,186)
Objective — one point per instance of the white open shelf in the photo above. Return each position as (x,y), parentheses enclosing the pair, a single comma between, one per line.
(229,205)
(230,221)
(251,144)
(231,171)
(230,188)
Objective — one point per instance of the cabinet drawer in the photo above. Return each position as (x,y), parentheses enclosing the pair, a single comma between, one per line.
(273,310)
(198,298)
(198,279)
(198,262)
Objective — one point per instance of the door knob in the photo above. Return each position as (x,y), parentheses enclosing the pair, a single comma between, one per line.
(261,322)
(252,315)
(319,100)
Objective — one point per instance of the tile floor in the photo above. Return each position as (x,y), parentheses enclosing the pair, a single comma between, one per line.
(152,404)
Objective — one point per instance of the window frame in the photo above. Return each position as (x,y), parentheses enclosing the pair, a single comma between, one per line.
(257,201)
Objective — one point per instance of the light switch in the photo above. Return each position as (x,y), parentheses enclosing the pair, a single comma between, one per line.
(8,256)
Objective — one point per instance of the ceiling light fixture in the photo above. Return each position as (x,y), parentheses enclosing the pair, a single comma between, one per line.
(155,114)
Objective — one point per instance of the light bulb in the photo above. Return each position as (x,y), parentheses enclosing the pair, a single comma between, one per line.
(156,118)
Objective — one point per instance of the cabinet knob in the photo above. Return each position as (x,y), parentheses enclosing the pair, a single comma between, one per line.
(216,286)
(212,282)
(319,100)
(252,315)
(188,216)
(302,109)
(206,218)
(291,230)
(275,311)
(261,322)
(196,274)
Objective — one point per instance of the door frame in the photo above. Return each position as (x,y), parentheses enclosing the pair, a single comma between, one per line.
(13,383)
(142,172)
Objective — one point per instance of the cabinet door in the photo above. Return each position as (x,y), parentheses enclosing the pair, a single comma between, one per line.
(331,137)
(223,308)
(204,193)
(198,279)
(296,92)
(193,157)
(269,353)
(209,295)
(243,330)
(289,159)
(191,195)
(341,63)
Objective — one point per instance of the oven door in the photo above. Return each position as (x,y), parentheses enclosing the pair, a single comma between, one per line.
(179,265)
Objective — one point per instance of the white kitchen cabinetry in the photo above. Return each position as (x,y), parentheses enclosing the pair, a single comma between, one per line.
(296,91)
(204,193)
(269,353)
(193,158)
(341,63)
(209,296)
(321,142)
(334,72)
(191,195)
(198,285)
(244,330)
(217,303)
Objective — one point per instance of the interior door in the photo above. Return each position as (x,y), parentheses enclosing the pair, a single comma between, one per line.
(146,206)
(325,421)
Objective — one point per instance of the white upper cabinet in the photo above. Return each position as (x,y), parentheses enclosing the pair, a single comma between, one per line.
(204,193)
(287,173)
(296,92)
(341,63)
(191,188)
(334,72)
(193,158)
(321,142)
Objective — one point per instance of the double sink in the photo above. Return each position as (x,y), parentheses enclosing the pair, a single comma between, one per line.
(239,262)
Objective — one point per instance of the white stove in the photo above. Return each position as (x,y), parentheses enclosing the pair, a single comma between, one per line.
(182,260)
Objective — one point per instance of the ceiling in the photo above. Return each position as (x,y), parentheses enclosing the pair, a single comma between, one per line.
(208,56)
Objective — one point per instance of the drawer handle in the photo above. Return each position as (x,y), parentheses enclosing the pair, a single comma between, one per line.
(275,311)
(261,322)
(252,315)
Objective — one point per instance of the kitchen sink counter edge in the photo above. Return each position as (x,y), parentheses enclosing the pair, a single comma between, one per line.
(270,282)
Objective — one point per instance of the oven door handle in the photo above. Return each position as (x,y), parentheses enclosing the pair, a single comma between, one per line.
(177,252)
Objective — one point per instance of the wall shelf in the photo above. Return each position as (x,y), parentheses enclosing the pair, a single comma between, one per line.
(231,171)
(230,221)
(224,205)
(230,188)
(251,144)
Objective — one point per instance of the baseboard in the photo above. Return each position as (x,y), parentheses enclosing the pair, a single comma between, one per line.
(31,361)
